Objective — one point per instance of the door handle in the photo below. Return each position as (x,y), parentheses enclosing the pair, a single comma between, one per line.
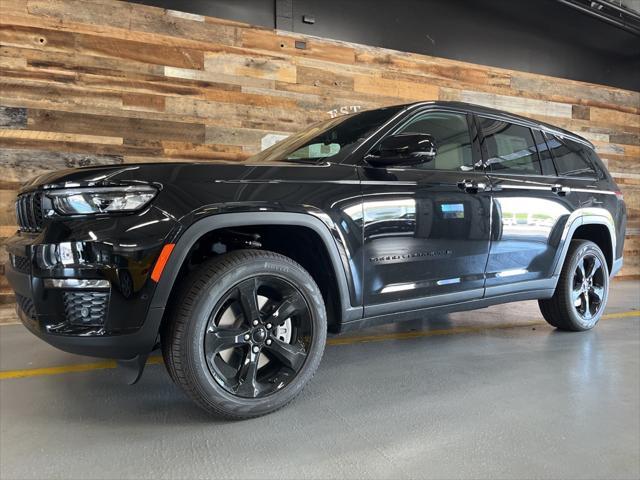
(470,186)
(560,190)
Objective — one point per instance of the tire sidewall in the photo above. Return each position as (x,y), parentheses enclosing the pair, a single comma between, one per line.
(584,249)
(209,296)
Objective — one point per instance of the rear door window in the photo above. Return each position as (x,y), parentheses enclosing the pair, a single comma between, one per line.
(510,148)
(572,159)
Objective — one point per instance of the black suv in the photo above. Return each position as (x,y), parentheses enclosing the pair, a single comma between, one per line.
(237,271)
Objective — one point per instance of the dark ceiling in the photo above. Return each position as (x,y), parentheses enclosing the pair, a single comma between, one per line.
(540,36)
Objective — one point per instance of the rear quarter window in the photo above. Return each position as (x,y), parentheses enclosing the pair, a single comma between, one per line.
(573,159)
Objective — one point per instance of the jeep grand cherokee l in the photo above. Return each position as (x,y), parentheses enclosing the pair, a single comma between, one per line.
(237,271)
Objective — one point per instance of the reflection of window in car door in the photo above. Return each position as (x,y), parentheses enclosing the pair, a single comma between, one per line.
(451,133)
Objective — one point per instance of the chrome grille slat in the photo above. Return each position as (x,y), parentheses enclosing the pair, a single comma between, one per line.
(29,212)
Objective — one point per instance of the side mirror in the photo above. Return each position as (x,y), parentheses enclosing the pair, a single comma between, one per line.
(404,149)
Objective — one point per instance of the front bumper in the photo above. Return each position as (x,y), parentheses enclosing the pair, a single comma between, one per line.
(53,327)
(85,292)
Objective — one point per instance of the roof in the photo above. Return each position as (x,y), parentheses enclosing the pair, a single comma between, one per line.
(481,110)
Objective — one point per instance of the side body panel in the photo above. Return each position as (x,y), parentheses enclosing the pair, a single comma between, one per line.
(426,241)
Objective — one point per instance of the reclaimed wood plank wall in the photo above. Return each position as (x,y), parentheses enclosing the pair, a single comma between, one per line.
(101,81)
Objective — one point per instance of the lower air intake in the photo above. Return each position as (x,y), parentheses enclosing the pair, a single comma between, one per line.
(86,308)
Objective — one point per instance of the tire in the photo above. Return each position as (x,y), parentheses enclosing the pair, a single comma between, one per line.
(578,303)
(218,325)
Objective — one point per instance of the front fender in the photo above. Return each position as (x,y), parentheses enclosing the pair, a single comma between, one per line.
(225,220)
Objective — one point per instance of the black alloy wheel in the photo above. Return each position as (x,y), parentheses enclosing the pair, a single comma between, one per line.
(246,334)
(581,293)
(588,286)
(258,336)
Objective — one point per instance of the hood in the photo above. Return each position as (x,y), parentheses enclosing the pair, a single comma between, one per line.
(161,173)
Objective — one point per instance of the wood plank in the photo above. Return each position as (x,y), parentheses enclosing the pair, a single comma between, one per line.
(435,69)
(595,95)
(7,208)
(153,20)
(235,114)
(524,106)
(60,137)
(142,101)
(13,118)
(145,19)
(218,77)
(7,231)
(265,40)
(625,138)
(60,41)
(258,66)
(75,62)
(21,165)
(393,88)
(127,128)
(203,152)
(581,112)
(11,62)
(115,14)
(154,150)
(323,78)
(243,137)
(612,117)
(53,95)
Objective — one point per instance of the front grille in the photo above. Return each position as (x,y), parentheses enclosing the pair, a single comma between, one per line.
(26,305)
(86,308)
(21,264)
(29,212)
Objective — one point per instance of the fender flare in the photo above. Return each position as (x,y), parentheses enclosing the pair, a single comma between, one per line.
(580,217)
(224,220)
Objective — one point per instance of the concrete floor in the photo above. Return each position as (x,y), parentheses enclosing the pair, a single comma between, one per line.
(488,394)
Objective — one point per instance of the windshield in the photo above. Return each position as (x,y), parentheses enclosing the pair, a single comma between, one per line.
(334,138)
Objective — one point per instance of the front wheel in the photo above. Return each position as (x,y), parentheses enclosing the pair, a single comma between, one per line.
(247,334)
(582,290)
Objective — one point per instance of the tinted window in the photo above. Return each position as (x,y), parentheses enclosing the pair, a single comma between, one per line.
(571,158)
(546,160)
(510,148)
(451,133)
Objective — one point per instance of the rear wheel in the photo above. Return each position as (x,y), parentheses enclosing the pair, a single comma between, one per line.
(582,290)
(247,335)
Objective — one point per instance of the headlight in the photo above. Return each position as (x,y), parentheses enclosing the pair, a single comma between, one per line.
(85,201)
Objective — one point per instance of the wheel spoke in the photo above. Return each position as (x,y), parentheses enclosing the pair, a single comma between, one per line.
(594,267)
(291,355)
(288,307)
(598,293)
(575,294)
(587,308)
(218,339)
(581,270)
(247,385)
(248,291)
(242,344)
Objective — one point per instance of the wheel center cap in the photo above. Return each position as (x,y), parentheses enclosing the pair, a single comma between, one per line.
(259,334)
